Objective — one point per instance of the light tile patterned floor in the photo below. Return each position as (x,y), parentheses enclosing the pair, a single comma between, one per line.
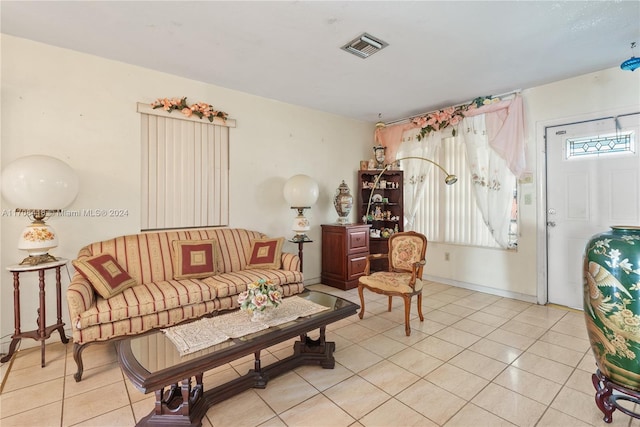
(476,360)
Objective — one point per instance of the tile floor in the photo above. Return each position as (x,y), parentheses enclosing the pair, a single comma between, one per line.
(477,360)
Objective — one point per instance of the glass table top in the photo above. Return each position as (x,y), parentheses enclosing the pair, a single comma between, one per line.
(156,352)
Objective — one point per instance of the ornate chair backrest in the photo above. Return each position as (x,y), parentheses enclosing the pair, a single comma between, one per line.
(405,249)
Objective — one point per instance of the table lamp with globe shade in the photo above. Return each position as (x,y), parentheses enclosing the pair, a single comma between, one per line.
(38,186)
(301,192)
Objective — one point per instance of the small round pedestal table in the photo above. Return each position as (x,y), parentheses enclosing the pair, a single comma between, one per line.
(43,332)
(301,241)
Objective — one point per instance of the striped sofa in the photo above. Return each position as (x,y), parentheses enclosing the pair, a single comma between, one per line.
(158,300)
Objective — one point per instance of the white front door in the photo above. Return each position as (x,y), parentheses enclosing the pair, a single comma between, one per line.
(593,182)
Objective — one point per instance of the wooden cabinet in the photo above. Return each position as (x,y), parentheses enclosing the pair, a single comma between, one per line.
(386,211)
(344,254)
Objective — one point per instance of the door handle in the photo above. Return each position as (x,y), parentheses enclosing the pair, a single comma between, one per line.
(551,223)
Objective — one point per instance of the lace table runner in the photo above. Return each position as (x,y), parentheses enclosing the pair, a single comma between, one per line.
(203,333)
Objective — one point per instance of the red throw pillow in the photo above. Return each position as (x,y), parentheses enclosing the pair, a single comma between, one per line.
(194,259)
(104,273)
(266,253)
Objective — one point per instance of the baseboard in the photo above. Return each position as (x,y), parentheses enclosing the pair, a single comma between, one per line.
(311,281)
(486,289)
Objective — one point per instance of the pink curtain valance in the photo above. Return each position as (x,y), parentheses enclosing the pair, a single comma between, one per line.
(391,138)
(505,128)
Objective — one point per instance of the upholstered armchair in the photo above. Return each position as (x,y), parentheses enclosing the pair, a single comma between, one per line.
(403,279)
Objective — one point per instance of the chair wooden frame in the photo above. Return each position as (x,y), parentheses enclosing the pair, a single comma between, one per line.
(416,274)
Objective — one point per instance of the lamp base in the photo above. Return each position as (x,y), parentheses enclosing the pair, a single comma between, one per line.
(38,259)
(300,223)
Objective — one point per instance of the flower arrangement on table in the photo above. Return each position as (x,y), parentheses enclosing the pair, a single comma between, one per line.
(199,109)
(259,296)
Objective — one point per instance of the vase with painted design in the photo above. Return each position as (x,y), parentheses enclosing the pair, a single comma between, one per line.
(343,202)
(612,305)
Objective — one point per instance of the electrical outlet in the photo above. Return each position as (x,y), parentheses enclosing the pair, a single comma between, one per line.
(446,256)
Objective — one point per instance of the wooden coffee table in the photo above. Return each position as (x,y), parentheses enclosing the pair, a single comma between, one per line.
(152,363)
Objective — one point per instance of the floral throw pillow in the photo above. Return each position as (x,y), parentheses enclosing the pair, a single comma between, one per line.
(194,259)
(266,253)
(104,273)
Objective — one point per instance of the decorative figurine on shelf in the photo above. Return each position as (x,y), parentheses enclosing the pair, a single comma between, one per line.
(377,214)
(343,202)
(379,152)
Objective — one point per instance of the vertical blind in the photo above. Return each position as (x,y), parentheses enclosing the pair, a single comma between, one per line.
(185,170)
(449,214)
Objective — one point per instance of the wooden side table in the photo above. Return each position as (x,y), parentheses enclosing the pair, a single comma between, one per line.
(43,332)
(301,243)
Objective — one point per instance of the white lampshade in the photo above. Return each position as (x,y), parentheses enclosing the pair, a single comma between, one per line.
(301,191)
(39,182)
(38,186)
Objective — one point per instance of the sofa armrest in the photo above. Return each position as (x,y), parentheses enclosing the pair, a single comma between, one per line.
(80,297)
(290,261)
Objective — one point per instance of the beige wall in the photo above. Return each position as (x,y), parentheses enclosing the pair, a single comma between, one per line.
(81,109)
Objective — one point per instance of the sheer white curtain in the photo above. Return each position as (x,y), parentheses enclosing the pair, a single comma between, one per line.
(494,184)
(415,171)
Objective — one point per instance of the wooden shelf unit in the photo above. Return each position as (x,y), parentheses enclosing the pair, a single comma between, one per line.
(387,214)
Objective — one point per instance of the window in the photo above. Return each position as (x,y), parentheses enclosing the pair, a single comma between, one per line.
(449,214)
(185,168)
(622,142)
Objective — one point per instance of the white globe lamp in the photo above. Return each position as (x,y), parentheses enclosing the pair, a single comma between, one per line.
(38,186)
(301,192)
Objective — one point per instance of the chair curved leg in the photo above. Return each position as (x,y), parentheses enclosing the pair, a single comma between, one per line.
(407,310)
(361,293)
(77,356)
(419,301)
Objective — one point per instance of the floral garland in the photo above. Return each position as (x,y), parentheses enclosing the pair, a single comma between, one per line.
(481,101)
(199,109)
(450,116)
(439,120)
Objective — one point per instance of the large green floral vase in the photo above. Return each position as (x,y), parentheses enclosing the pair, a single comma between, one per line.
(612,303)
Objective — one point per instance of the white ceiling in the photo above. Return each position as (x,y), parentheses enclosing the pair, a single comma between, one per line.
(440,53)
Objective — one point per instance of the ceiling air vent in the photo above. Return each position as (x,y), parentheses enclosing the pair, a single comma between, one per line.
(364,45)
